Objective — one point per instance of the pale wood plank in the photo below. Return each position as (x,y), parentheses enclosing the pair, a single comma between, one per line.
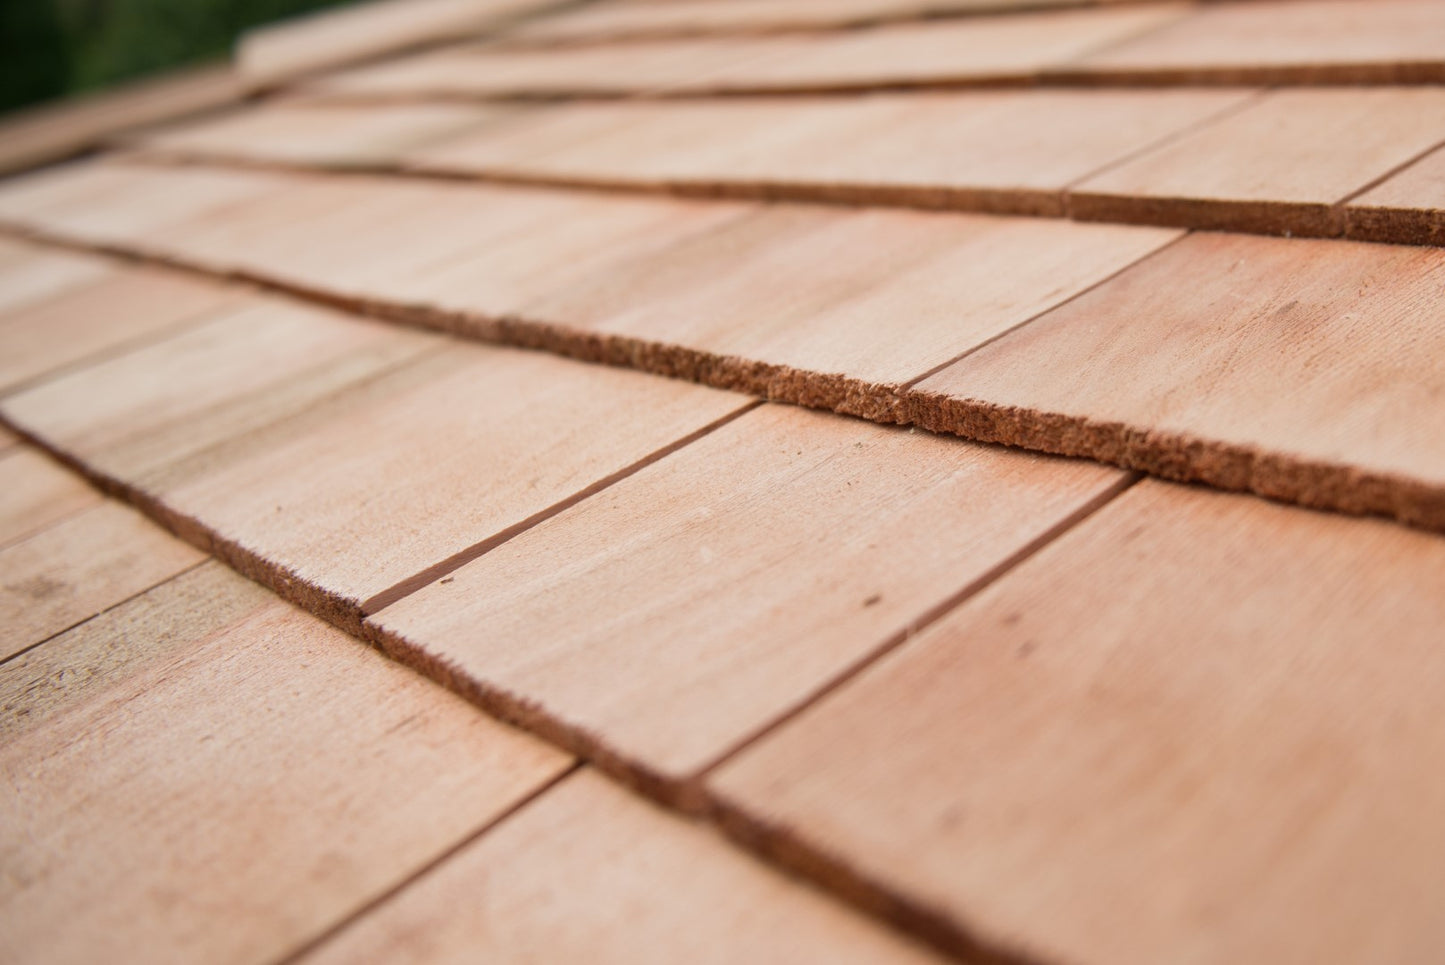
(106,203)
(175,399)
(33,275)
(224,777)
(121,308)
(67,127)
(1012,152)
(1189,730)
(1281,41)
(721,587)
(977,50)
(337,458)
(77,567)
(359,31)
(874,296)
(1303,370)
(300,133)
(35,492)
(1280,165)
(1408,208)
(614,21)
(588,872)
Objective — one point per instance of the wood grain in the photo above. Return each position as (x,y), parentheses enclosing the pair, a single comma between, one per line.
(589,873)
(68,127)
(35,493)
(379,484)
(300,133)
(721,587)
(1301,370)
(359,31)
(976,51)
(1409,207)
(625,21)
(1188,730)
(1280,165)
(1280,41)
(216,776)
(134,415)
(77,567)
(982,151)
(118,310)
(30,276)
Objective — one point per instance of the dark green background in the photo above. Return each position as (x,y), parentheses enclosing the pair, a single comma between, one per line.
(49,48)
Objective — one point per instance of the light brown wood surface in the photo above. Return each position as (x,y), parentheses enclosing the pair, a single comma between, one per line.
(719,588)
(1013,151)
(382,483)
(63,128)
(1278,165)
(78,566)
(104,202)
(236,790)
(875,295)
(35,492)
(30,276)
(612,21)
(1190,730)
(139,413)
(1305,370)
(1408,207)
(972,50)
(300,133)
(587,872)
(1316,41)
(119,310)
(358,31)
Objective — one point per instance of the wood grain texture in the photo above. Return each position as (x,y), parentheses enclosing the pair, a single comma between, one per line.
(972,51)
(618,21)
(290,48)
(170,401)
(1280,41)
(68,127)
(1281,165)
(105,203)
(35,493)
(379,484)
(1409,207)
(118,310)
(1189,730)
(300,133)
(983,151)
(726,584)
(73,569)
(589,873)
(30,276)
(1301,370)
(245,777)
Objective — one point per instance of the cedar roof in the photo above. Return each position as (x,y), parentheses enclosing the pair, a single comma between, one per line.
(849,481)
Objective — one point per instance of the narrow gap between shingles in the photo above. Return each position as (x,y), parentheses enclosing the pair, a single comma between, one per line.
(121,349)
(922,623)
(1040,314)
(961,199)
(388,895)
(99,613)
(1371,185)
(456,561)
(1229,110)
(1312,483)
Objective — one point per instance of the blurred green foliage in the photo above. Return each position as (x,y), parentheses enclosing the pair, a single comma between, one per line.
(49,48)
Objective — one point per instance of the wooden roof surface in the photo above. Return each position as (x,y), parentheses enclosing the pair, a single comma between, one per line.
(874,481)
